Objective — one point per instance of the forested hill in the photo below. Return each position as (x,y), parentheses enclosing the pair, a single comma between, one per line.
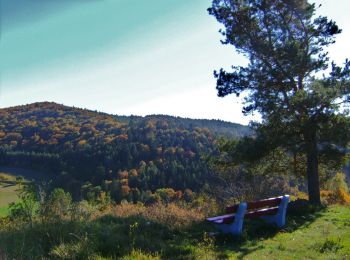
(51,126)
(118,154)
(216,127)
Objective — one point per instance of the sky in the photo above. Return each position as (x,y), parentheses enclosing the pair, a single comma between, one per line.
(126,57)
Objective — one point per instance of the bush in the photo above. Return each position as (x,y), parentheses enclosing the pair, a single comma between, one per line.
(337,190)
(81,249)
(138,254)
(4,177)
(339,196)
(57,206)
(171,214)
(27,207)
(337,182)
(329,245)
(82,211)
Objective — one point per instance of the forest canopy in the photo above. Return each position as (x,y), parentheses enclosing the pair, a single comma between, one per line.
(88,152)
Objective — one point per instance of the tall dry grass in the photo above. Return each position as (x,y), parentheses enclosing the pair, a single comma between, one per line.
(170,214)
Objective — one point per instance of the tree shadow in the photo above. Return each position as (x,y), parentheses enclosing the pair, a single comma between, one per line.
(6,184)
(107,236)
(256,230)
(114,237)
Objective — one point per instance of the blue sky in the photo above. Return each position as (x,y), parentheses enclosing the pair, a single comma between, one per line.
(125,56)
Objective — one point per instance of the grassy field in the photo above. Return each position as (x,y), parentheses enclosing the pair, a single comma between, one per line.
(4,211)
(8,191)
(9,188)
(168,232)
(322,235)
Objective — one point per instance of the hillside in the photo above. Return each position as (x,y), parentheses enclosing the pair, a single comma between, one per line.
(90,152)
(132,231)
(217,127)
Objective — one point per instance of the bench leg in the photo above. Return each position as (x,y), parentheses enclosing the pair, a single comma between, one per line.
(236,227)
(280,218)
(282,210)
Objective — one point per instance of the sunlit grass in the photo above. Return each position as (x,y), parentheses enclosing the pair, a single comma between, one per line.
(4,211)
(138,232)
(9,190)
(326,235)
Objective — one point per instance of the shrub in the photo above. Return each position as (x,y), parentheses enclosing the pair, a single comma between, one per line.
(127,210)
(166,194)
(81,211)
(4,177)
(206,204)
(81,249)
(336,190)
(138,254)
(337,182)
(339,196)
(104,201)
(27,207)
(171,214)
(329,245)
(57,206)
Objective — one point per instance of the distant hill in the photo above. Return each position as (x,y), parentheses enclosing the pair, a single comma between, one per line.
(120,154)
(215,126)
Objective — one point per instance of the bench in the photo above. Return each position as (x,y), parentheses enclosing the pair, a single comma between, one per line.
(272,210)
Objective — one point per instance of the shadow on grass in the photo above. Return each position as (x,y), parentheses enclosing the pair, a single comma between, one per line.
(298,216)
(114,237)
(7,183)
(108,236)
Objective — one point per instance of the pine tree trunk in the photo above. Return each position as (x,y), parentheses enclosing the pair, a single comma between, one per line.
(312,167)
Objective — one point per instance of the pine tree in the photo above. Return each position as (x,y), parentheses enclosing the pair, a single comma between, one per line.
(285,45)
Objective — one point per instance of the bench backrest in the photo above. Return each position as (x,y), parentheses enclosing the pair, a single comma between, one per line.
(260,204)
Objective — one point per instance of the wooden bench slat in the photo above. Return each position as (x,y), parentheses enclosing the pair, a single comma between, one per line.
(264,203)
(227,216)
(225,221)
(261,212)
(274,210)
(271,202)
(232,209)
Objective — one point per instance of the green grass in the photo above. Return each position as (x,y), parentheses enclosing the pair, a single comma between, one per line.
(322,235)
(8,192)
(317,234)
(4,211)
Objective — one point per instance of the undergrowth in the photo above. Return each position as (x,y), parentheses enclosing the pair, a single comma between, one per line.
(55,227)
(170,232)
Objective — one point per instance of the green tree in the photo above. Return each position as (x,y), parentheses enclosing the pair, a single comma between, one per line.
(27,207)
(285,45)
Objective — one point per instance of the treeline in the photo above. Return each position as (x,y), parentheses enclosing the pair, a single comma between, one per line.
(129,157)
(217,127)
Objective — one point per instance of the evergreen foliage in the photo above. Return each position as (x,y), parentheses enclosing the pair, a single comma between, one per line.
(303,112)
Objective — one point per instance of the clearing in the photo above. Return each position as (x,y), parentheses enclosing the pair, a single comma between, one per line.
(9,186)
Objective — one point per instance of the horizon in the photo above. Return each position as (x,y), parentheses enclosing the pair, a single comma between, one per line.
(126,58)
(121,115)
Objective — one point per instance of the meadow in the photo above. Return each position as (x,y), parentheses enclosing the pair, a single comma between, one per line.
(171,231)
(11,181)
(9,190)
